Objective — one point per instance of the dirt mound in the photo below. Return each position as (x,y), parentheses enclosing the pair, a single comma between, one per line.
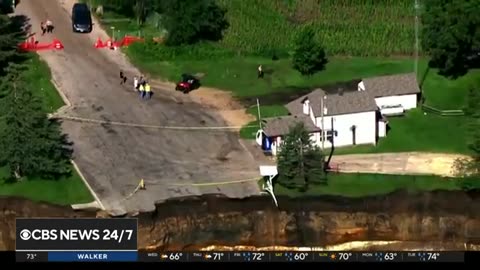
(231,110)
(225,104)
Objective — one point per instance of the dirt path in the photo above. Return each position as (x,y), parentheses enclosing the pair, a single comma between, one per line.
(113,159)
(398,163)
(234,113)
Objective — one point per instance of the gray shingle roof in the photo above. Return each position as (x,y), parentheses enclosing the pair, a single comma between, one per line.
(277,126)
(392,85)
(339,103)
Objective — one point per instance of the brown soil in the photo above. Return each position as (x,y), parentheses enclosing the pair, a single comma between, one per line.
(227,106)
(223,102)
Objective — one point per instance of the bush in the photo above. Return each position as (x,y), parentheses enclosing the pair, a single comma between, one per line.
(470,183)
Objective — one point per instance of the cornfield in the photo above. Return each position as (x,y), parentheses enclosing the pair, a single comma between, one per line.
(344,27)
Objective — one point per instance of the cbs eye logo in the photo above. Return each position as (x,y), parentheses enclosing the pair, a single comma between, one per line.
(25,234)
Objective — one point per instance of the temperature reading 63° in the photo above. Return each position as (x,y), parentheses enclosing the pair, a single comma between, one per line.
(389,256)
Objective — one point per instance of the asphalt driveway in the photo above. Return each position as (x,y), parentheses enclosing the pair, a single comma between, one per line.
(113,159)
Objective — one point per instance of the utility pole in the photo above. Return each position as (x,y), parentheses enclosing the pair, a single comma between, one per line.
(322,112)
(259,116)
(417,7)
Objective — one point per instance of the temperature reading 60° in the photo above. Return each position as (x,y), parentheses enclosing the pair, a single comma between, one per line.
(344,256)
(300,256)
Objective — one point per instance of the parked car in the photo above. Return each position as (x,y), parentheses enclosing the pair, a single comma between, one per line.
(187,83)
(81,18)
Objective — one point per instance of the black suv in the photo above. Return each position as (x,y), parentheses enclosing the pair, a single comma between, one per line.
(81,18)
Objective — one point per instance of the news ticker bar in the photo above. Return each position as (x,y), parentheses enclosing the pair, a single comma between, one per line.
(214,256)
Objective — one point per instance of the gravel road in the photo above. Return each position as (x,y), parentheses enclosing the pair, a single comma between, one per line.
(114,158)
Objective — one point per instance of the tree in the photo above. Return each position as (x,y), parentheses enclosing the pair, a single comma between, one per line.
(308,56)
(30,143)
(11,34)
(190,21)
(471,166)
(451,35)
(472,109)
(299,161)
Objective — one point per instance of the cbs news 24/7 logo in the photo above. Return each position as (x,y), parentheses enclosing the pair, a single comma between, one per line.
(76,234)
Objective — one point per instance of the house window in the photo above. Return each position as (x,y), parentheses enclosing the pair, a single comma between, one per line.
(306,107)
(329,134)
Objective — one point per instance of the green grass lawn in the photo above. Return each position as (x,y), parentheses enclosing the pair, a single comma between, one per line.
(38,78)
(239,74)
(66,191)
(418,132)
(250,130)
(413,132)
(359,185)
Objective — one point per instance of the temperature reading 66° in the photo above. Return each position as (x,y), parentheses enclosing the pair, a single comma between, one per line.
(174,256)
(389,256)
(344,256)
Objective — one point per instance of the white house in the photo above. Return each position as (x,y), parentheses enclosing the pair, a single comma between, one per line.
(351,116)
(270,137)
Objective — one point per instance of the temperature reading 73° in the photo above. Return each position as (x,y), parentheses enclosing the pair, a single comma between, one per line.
(31,256)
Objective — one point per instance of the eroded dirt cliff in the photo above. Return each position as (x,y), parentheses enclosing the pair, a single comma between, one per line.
(447,220)
(440,217)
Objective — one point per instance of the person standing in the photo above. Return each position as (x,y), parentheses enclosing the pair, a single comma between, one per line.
(148,91)
(141,89)
(49,26)
(122,77)
(43,27)
(135,83)
(260,72)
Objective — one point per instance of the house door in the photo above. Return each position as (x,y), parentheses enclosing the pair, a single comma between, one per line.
(354,134)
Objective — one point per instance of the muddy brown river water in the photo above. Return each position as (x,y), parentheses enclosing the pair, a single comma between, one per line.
(399,221)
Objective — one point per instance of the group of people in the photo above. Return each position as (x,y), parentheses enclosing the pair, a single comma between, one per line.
(46,26)
(141,85)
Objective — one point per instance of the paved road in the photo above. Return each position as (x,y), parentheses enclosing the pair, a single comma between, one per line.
(398,163)
(113,158)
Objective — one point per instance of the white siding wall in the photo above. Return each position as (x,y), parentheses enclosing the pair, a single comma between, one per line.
(407,101)
(382,129)
(312,116)
(365,123)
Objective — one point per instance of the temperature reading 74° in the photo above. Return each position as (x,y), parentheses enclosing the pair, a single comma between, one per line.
(432,256)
